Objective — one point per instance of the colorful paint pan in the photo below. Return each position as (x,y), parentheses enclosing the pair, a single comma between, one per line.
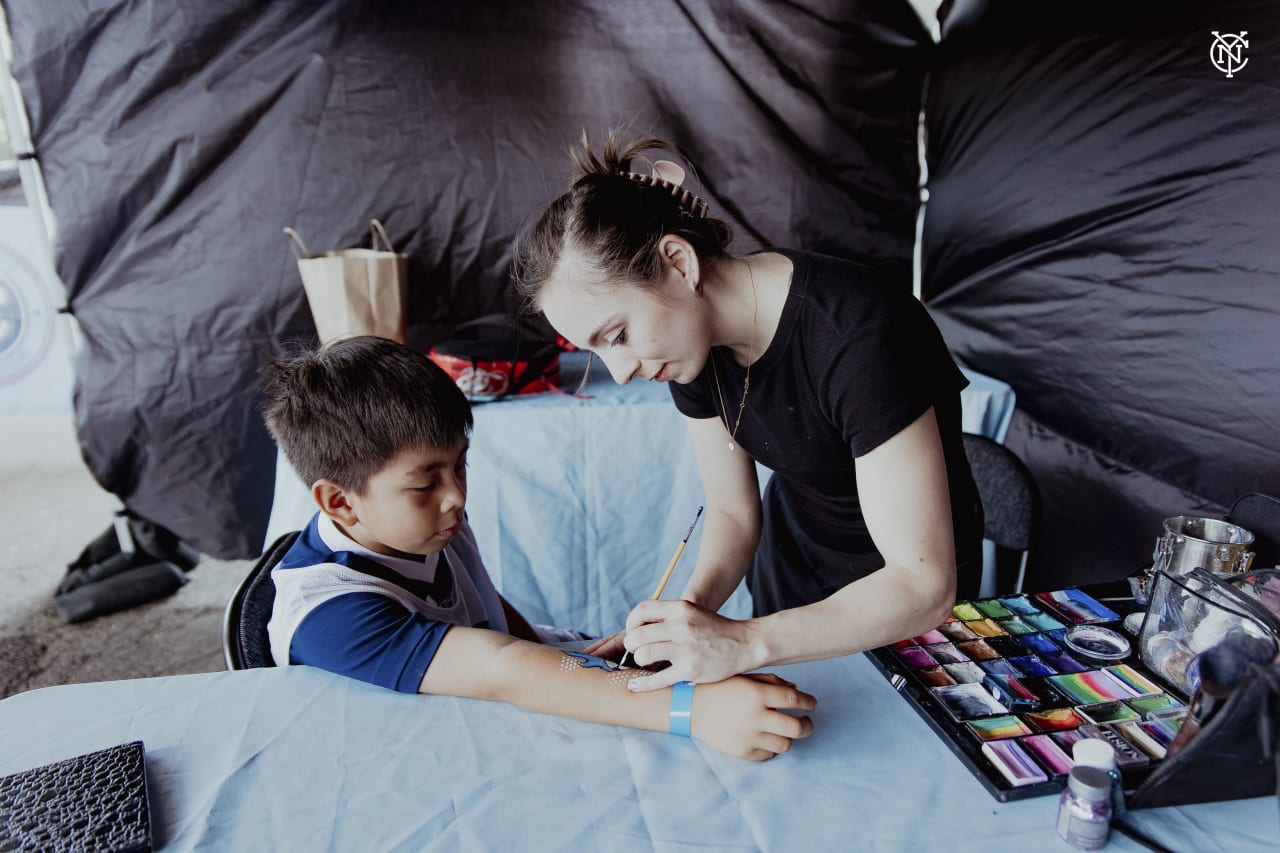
(1141,685)
(1064,662)
(1043,622)
(957,632)
(1093,642)
(1161,730)
(1145,705)
(1133,732)
(934,676)
(1020,604)
(1050,696)
(1047,751)
(1032,665)
(1171,717)
(993,608)
(967,672)
(915,657)
(1013,763)
(1054,719)
(966,611)
(1011,692)
(1067,738)
(946,653)
(1016,625)
(986,627)
(998,728)
(1006,647)
(930,637)
(1107,712)
(1127,755)
(1077,606)
(999,666)
(978,650)
(1038,644)
(1087,688)
(967,701)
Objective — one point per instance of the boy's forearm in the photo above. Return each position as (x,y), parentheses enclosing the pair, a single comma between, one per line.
(482,664)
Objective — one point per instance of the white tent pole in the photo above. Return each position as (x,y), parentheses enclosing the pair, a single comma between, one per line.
(33,188)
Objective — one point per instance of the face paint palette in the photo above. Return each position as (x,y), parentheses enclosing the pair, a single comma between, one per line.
(1011,683)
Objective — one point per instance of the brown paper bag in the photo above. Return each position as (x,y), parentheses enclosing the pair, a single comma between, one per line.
(355,291)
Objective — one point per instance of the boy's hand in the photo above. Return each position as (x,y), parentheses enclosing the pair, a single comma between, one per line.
(744,716)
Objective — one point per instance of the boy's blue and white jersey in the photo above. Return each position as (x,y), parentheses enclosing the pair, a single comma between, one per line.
(344,608)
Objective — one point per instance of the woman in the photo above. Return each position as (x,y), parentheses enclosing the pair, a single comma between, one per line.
(826,373)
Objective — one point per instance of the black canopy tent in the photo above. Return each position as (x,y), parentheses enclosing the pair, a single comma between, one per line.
(1102,234)
(1088,238)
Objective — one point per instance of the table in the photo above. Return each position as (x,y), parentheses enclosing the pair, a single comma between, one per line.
(577,504)
(299,759)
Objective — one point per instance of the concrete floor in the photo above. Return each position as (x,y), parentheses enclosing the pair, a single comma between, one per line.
(51,508)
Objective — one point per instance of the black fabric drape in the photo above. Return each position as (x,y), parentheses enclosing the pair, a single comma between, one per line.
(177,139)
(1102,234)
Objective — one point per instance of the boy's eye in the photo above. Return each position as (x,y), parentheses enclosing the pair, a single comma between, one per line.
(424,489)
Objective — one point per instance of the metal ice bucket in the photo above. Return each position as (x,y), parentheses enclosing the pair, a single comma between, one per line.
(1214,545)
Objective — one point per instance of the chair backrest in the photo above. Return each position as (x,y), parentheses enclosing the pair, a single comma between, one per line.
(1259,514)
(1008,491)
(245,643)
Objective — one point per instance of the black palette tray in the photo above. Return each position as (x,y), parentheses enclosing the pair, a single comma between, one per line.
(1060,691)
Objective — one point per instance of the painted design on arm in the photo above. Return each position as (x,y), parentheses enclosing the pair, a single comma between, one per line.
(576,660)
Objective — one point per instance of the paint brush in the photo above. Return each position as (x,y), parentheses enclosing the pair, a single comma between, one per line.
(666,576)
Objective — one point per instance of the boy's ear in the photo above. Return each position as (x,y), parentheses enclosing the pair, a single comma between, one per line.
(332,500)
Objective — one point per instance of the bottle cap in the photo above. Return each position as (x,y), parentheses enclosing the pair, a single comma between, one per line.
(1090,783)
(1094,752)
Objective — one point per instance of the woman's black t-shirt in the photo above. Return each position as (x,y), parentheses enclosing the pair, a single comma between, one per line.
(854,361)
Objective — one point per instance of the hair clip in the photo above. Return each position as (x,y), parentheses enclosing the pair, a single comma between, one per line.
(689,202)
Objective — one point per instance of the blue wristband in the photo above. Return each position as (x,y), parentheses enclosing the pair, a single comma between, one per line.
(681,718)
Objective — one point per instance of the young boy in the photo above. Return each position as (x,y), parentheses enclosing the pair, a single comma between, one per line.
(386,584)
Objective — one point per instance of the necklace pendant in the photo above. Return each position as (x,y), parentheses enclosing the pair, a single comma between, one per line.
(731,445)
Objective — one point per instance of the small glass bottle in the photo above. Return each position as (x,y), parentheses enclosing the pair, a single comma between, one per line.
(1084,812)
(1095,752)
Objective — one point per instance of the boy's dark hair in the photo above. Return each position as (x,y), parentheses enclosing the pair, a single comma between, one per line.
(342,412)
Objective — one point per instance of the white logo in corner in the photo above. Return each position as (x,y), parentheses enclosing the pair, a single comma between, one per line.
(1227,52)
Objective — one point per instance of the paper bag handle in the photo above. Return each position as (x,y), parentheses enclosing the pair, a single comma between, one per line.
(376,230)
(297,244)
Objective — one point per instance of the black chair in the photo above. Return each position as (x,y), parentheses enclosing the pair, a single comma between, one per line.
(1010,499)
(245,643)
(1259,514)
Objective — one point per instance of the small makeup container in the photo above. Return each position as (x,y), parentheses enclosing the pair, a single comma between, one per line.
(1095,643)
(1091,752)
(1084,812)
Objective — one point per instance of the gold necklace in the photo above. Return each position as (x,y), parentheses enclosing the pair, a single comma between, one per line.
(746,383)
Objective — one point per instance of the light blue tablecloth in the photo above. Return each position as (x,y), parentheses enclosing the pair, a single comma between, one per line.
(578,504)
(299,759)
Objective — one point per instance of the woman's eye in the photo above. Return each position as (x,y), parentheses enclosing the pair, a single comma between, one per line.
(620,338)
